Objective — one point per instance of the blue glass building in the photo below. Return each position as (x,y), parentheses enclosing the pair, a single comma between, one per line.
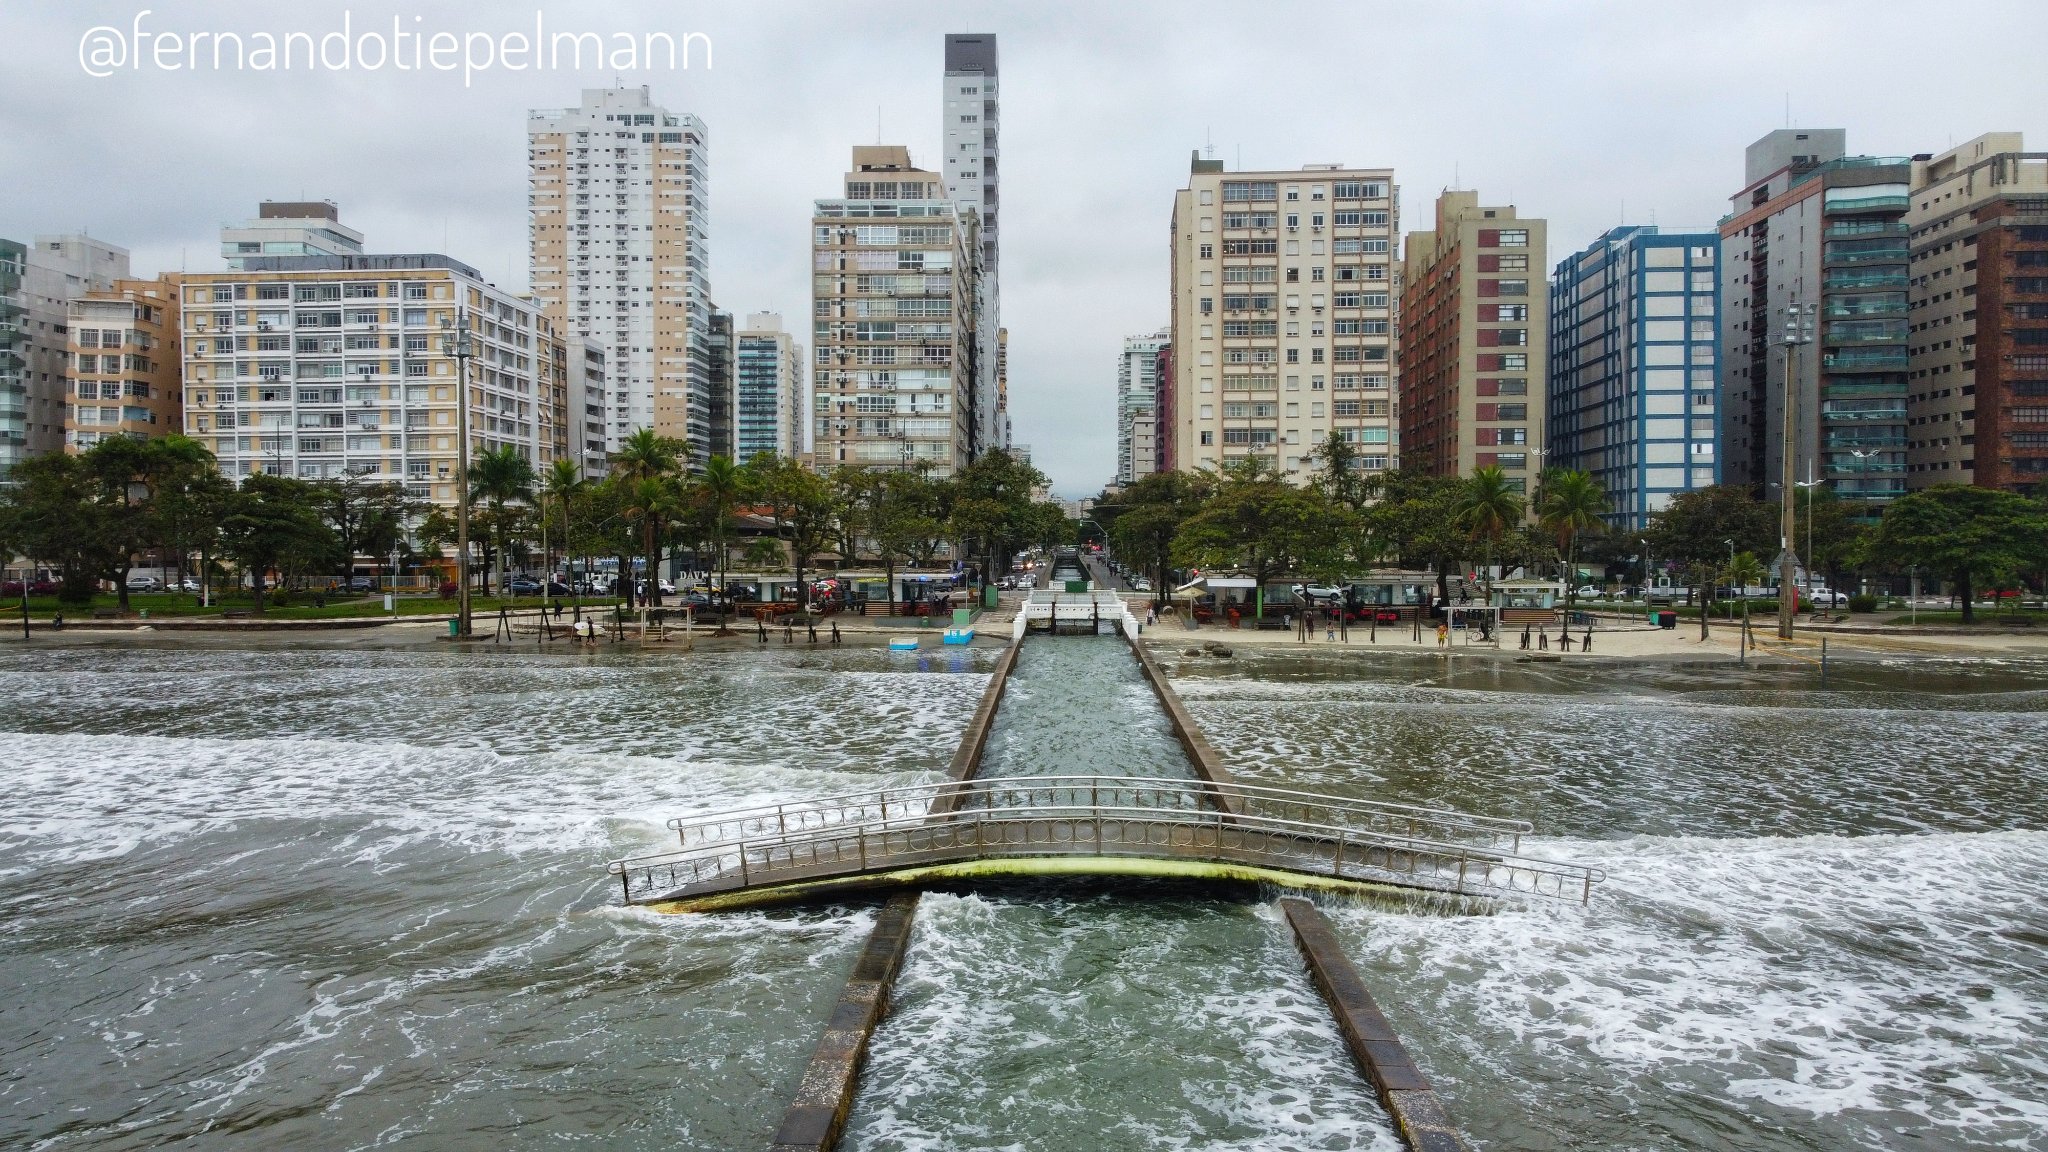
(1634,380)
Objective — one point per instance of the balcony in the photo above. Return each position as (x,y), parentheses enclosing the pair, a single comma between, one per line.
(1866,360)
(1869,204)
(1845,280)
(1853,332)
(1887,306)
(1893,415)
(1878,251)
(1842,229)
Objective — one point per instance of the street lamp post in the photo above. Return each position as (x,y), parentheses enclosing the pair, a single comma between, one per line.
(1810,485)
(1798,331)
(456,342)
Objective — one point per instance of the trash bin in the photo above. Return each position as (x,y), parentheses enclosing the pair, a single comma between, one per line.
(454,627)
(1667,619)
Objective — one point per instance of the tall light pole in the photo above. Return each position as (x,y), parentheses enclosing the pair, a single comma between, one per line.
(1810,485)
(456,342)
(1798,331)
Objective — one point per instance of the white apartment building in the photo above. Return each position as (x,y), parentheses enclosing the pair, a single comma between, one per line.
(971,169)
(618,200)
(38,283)
(1137,406)
(893,303)
(323,367)
(290,228)
(1282,323)
(768,389)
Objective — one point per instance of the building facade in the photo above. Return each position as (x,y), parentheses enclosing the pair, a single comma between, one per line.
(894,265)
(324,367)
(1977,299)
(768,378)
(290,228)
(125,363)
(618,200)
(719,371)
(1282,320)
(588,397)
(1475,329)
(1814,227)
(972,170)
(1137,406)
(1633,387)
(38,282)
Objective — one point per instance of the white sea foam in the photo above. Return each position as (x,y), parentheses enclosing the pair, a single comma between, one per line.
(1868,981)
(1147,1027)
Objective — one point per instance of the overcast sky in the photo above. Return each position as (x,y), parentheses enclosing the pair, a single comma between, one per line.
(1589,114)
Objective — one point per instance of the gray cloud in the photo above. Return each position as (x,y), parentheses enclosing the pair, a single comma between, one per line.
(1568,110)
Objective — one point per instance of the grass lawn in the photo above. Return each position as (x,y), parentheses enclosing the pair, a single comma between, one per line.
(1986,617)
(301,606)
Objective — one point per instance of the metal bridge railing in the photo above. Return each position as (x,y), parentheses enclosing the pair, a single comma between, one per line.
(1301,832)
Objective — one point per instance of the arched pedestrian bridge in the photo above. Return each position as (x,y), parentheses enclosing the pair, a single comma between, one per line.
(1088,825)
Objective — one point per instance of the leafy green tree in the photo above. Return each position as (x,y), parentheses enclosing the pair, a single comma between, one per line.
(497,477)
(1963,533)
(1488,508)
(273,522)
(1698,529)
(1412,519)
(717,491)
(803,507)
(1568,504)
(1339,475)
(1828,529)
(1261,524)
(991,511)
(367,517)
(645,457)
(1146,517)
(52,511)
(560,485)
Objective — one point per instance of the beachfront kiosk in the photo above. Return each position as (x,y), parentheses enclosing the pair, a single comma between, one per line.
(1526,602)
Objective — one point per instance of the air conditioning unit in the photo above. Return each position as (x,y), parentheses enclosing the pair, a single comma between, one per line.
(1315,228)
(1294,227)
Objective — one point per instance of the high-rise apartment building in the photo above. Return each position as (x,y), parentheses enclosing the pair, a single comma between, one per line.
(1633,387)
(718,360)
(1815,227)
(125,366)
(1282,317)
(1475,329)
(972,165)
(290,228)
(1003,387)
(1137,406)
(618,203)
(768,380)
(894,264)
(38,282)
(329,366)
(1977,288)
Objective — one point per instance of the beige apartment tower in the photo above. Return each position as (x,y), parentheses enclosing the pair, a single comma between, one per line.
(894,265)
(324,367)
(618,209)
(125,367)
(1282,322)
(1475,322)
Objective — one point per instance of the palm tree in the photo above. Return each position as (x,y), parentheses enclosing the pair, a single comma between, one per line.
(1487,507)
(498,477)
(1569,503)
(564,479)
(647,457)
(720,487)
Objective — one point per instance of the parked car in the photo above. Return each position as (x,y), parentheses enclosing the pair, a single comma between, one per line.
(1318,592)
(1141,585)
(141,582)
(362,583)
(1827,598)
(1588,592)
(12,588)
(523,586)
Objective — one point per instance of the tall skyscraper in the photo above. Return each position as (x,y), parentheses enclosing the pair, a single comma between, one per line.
(618,202)
(768,379)
(1977,405)
(1137,406)
(895,264)
(1823,229)
(1282,322)
(971,166)
(38,282)
(719,358)
(1633,388)
(1475,326)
